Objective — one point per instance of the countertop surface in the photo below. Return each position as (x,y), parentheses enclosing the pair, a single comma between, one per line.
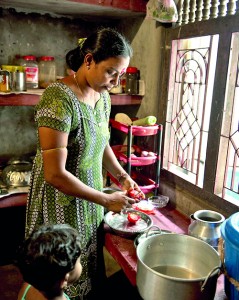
(124,252)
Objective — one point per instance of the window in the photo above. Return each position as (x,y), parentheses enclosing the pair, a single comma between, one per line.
(227,183)
(201,139)
(192,71)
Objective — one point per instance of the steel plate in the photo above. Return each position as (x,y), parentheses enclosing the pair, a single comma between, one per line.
(120,224)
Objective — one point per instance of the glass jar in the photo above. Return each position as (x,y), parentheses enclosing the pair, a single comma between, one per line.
(47,71)
(131,81)
(31,70)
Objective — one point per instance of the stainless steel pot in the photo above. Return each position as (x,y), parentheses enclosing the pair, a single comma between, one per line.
(176,266)
(205,225)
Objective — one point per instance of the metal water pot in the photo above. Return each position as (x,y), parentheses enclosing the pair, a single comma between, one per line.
(205,225)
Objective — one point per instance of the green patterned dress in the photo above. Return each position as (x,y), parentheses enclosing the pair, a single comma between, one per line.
(88,131)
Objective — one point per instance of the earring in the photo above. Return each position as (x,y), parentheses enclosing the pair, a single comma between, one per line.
(88,67)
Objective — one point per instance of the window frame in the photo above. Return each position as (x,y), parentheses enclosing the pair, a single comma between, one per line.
(222,26)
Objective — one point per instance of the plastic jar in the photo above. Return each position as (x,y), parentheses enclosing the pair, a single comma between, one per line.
(47,71)
(131,81)
(31,70)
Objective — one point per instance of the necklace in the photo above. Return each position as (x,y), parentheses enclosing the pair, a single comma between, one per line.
(79,87)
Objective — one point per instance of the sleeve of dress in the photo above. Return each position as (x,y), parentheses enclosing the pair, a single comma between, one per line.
(55,109)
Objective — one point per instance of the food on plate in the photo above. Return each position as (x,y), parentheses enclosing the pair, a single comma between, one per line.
(144,206)
(133,217)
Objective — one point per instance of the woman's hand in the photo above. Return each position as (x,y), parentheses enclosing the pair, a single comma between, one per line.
(128,184)
(118,201)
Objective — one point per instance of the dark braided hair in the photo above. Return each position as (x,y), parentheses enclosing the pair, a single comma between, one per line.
(103,44)
(47,256)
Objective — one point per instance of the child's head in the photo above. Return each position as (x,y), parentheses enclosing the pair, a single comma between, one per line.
(50,258)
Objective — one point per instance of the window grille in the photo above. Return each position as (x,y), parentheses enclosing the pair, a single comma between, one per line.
(190,11)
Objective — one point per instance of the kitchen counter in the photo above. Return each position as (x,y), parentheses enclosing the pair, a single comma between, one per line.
(124,252)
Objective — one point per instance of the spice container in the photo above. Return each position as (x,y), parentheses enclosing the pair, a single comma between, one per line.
(31,70)
(47,71)
(4,81)
(131,81)
(17,79)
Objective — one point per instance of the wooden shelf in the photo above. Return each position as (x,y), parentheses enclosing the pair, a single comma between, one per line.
(31,98)
(81,8)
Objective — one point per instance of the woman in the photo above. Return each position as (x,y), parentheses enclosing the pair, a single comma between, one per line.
(72,119)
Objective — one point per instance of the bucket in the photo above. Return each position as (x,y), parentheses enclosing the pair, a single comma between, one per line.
(176,266)
(230,235)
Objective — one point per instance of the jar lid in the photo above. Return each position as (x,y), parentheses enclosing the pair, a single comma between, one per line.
(230,229)
(47,58)
(131,70)
(29,57)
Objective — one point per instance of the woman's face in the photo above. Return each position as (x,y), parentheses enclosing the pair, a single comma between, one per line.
(106,74)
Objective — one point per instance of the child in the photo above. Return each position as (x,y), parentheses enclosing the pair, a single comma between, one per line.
(49,261)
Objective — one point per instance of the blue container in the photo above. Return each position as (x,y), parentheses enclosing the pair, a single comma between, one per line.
(230,234)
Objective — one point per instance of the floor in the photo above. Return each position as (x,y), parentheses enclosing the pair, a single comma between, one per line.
(119,286)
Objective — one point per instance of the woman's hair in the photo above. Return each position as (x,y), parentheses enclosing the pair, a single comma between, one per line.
(103,44)
(47,256)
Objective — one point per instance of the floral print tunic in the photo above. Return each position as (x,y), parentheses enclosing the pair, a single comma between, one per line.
(60,109)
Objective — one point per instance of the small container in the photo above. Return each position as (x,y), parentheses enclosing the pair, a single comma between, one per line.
(158,201)
(17,77)
(5,81)
(131,81)
(31,70)
(47,71)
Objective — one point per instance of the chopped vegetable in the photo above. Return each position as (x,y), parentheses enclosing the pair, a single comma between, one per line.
(133,217)
(134,194)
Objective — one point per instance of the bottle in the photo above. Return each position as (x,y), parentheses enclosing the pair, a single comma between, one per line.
(47,71)
(31,70)
(131,81)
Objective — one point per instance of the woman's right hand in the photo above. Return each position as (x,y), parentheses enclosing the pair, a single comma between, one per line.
(118,201)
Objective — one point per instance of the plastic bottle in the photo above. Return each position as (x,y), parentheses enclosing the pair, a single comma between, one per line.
(131,81)
(31,70)
(47,71)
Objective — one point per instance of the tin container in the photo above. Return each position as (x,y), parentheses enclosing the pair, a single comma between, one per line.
(5,81)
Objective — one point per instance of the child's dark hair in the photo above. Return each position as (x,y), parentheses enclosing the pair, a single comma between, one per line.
(47,256)
(102,44)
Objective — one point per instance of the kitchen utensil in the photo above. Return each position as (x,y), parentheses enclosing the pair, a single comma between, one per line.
(119,223)
(205,225)
(158,201)
(149,232)
(176,266)
(17,172)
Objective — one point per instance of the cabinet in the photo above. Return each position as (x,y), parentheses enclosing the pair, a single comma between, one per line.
(132,162)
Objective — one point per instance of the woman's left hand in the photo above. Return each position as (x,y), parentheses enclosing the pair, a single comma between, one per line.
(128,184)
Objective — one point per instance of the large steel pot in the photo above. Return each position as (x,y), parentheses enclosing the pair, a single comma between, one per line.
(177,266)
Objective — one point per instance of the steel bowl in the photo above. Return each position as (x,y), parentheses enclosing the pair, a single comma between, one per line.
(119,223)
